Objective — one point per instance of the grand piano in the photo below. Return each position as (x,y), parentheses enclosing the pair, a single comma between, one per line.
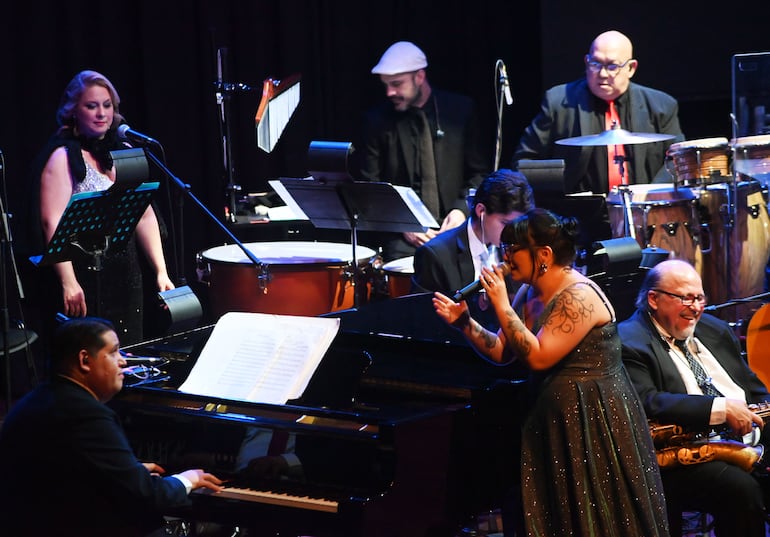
(403,430)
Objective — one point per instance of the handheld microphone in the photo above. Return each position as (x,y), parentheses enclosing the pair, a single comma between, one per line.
(475,286)
(506,84)
(128,134)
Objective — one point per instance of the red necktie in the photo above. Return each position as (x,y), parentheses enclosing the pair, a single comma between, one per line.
(613,171)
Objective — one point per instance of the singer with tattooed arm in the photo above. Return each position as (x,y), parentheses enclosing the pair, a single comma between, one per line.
(77,159)
(587,459)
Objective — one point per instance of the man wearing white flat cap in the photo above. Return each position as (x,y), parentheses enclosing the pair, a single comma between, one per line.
(423,138)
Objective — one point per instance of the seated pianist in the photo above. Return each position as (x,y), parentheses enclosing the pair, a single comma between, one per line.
(65,460)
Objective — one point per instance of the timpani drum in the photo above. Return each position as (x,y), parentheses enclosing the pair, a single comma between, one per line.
(399,273)
(294,278)
(699,162)
(734,260)
(751,158)
(663,217)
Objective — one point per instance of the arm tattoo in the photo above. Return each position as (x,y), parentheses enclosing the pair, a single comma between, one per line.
(569,310)
(487,338)
(516,334)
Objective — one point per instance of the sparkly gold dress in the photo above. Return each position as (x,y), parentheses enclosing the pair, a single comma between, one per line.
(588,463)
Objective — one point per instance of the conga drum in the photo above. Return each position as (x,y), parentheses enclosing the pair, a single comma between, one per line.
(662,216)
(734,256)
(292,278)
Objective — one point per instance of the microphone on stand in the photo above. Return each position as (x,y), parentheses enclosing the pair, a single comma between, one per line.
(506,84)
(474,287)
(128,134)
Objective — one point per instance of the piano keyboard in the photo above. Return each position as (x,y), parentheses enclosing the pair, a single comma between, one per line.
(273,498)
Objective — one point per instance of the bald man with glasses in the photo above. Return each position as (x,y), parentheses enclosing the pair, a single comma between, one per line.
(584,107)
(688,370)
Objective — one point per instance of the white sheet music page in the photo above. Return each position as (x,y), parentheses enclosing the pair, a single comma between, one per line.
(279,111)
(260,357)
(417,207)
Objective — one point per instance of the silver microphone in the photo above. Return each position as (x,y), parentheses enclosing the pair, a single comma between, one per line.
(506,84)
(128,134)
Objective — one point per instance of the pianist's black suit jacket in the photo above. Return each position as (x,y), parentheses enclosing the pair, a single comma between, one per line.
(67,469)
(444,264)
(658,382)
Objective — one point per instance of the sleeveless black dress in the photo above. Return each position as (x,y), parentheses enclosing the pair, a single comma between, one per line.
(588,462)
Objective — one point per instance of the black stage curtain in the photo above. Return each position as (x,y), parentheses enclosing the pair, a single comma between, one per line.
(161,57)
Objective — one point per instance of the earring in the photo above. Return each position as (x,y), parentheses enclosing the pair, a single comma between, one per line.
(543,268)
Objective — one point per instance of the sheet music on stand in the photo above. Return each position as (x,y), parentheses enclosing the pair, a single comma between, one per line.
(279,100)
(95,222)
(355,205)
(359,205)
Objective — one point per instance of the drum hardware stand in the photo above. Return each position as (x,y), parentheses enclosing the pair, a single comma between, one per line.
(625,196)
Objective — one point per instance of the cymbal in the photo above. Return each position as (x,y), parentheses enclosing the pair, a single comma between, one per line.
(616,137)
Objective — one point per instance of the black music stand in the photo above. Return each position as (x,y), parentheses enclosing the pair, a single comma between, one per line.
(356,205)
(95,222)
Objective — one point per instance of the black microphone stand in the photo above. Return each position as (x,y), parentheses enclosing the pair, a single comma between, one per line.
(185,189)
(735,302)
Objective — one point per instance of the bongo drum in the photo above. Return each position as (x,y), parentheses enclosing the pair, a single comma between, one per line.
(751,158)
(698,162)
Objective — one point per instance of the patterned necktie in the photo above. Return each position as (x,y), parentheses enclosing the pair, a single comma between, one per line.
(704,381)
(427,162)
(612,119)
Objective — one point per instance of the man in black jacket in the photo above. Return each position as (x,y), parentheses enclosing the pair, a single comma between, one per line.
(579,109)
(688,370)
(423,138)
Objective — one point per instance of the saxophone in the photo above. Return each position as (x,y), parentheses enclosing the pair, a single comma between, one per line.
(674,446)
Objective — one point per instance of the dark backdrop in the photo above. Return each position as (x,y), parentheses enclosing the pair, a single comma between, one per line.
(161,57)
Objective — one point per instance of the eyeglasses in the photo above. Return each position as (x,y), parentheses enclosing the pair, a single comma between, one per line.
(612,68)
(510,249)
(687,300)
